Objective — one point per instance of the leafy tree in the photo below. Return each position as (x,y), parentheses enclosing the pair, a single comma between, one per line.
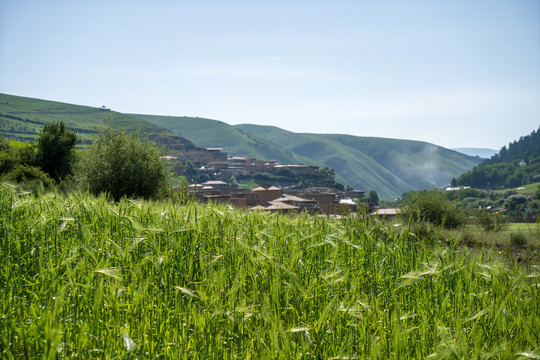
(56,146)
(4,144)
(18,153)
(491,221)
(515,202)
(373,197)
(537,194)
(124,164)
(432,207)
(189,171)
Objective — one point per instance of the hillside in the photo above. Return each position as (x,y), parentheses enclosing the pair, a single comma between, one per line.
(22,118)
(389,166)
(213,133)
(515,165)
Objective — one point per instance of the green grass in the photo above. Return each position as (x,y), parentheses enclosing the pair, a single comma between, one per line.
(529,188)
(527,227)
(82,277)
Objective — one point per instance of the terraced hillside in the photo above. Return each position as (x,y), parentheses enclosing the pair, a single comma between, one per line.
(22,118)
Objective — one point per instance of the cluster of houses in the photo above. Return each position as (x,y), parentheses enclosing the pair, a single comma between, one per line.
(216,163)
(267,197)
(273,198)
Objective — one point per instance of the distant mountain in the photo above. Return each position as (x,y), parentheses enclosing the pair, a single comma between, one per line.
(389,166)
(483,153)
(22,118)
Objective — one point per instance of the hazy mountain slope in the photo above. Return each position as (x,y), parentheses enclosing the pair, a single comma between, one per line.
(22,118)
(403,164)
(415,162)
(214,133)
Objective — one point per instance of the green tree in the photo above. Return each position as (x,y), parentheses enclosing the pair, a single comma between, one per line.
(373,197)
(56,147)
(4,144)
(432,207)
(124,164)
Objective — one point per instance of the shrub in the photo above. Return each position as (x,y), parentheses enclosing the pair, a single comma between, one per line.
(432,207)
(491,221)
(124,164)
(518,239)
(28,174)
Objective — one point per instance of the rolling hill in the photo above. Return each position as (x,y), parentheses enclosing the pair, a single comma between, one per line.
(22,118)
(389,166)
(214,133)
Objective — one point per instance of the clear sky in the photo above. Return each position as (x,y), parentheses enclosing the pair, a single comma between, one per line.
(454,73)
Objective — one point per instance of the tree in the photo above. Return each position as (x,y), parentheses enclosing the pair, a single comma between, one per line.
(373,197)
(56,146)
(124,164)
(432,207)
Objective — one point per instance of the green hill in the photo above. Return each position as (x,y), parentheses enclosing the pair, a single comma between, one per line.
(213,133)
(389,166)
(515,165)
(22,118)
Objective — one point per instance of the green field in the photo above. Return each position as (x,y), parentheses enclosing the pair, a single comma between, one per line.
(83,277)
(525,227)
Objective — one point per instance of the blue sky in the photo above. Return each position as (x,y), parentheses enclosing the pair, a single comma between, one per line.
(454,73)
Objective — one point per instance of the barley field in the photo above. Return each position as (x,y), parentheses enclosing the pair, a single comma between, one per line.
(83,277)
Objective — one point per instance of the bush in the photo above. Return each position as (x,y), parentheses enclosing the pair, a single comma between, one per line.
(491,221)
(28,174)
(18,153)
(518,239)
(432,207)
(124,164)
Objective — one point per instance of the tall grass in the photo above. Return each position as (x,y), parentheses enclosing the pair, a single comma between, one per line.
(82,277)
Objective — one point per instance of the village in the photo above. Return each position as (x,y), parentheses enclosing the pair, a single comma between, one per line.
(267,197)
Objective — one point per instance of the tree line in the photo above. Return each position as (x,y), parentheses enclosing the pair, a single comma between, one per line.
(119,163)
(513,166)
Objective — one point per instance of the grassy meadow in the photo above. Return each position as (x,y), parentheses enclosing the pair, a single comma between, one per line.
(83,277)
